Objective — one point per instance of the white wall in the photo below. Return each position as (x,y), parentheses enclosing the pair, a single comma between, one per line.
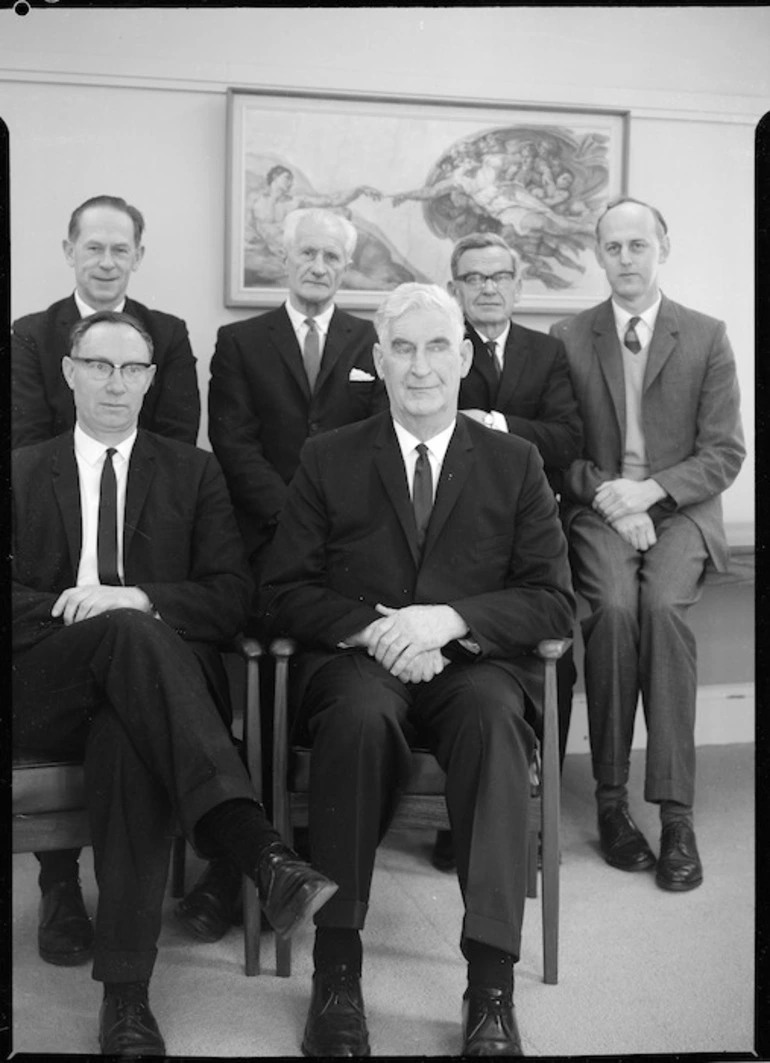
(133,103)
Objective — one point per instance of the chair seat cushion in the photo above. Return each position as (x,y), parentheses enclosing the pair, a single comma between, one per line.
(41,784)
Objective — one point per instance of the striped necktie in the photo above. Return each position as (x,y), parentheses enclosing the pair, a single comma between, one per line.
(631,340)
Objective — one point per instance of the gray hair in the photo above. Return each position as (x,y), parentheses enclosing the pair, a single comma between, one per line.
(326,218)
(661,229)
(413,296)
(474,242)
(106,317)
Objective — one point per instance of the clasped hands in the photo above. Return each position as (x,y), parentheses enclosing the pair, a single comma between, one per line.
(624,503)
(81,603)
(408,641)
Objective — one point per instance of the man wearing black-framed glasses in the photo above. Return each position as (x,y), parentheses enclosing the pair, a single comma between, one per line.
(128,574)
(519,383)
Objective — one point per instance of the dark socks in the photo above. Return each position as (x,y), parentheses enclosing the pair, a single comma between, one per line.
(607,796)
(335,946)
(239,831)
(60,865)
(488,966)
(673,812)
(127,990)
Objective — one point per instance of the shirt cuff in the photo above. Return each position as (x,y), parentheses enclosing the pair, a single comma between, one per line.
(498,421)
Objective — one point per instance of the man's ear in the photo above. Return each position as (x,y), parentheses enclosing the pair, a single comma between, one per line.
(665,249)
(138,256)
(68,370)
(377,358)
(68,250)
(466,356)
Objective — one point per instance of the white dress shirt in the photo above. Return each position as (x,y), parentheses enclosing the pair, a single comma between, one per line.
(298,322)
(437,448)
(90,456)
(86,311)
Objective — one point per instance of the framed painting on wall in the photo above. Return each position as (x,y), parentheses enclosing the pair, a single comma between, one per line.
(414,175)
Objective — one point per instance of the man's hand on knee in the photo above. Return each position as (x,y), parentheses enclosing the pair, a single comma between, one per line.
(637,529)
(420,668)
(81,603)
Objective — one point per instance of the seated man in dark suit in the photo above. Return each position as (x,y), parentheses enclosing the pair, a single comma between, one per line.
(104,247)
(127,568)
(518,382)
(416,609)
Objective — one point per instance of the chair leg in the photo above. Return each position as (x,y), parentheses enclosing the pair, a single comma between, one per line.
(177,866)
(551,801)
(251,927)
(533,838)
(282,957)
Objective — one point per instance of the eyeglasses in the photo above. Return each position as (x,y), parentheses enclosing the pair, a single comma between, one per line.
(478,280)
(132,373)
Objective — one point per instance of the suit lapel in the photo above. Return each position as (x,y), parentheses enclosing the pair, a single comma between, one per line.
(482,362)
(390,465)
(66,489)
(285,341)
(608,353)
(455,470)
(67,316)
(141,471)
(515,360)
(664,340)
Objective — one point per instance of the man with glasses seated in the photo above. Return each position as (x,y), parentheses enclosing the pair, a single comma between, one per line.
(104,248)
(519,383)
(128,572)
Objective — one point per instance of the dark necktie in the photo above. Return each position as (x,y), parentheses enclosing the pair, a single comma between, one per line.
(491,346)
(422,493)
(311,353)
(631,340)
(107,531)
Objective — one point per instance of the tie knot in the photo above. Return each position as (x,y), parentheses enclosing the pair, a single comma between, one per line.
(422,450)
(110,453)
(634,322)
(312,325)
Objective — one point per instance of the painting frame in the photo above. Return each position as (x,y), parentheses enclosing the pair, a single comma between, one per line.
(538,175)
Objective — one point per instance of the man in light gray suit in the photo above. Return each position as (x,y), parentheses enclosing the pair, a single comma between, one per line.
(658,395)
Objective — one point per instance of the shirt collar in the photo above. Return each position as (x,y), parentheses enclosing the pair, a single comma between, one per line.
(91,450)
(437,445)
(649,317)
(500,340)
(297,318)
(86,311)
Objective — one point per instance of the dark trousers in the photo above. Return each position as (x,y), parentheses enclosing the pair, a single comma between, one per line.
(360,721)
(126,693)
(638,641)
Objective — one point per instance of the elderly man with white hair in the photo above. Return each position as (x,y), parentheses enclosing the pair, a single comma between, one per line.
(417,560)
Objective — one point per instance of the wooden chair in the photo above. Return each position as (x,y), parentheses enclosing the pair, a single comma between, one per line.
(49,811)
(423,804)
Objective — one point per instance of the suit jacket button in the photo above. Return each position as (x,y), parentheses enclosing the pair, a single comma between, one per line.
(312,428)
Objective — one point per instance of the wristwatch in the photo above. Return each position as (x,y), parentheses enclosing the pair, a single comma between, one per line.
(489,419)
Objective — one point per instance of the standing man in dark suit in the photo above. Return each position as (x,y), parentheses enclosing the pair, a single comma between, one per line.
(127,567)
(658,393)
(104,247)
(416,607)
(291,373)
(518,382)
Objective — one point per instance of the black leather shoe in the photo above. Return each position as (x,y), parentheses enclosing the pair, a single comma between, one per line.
(623,844)
(336,1023)
(679,866)
(489,1023)
(213,904)
(127,1027)
(65,936)
(443,855)
(290,890)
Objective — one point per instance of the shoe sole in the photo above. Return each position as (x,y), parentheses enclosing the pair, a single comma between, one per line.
(66,959)
(678,887)
(646,866)
(325,1053)
(311,905)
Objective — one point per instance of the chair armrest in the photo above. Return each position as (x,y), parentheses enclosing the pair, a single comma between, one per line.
(249,648)
(283,648)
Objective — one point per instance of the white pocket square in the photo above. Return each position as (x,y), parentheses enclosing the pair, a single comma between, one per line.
(359,374)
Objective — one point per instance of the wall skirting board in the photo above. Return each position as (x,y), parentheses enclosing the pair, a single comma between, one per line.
(725,716)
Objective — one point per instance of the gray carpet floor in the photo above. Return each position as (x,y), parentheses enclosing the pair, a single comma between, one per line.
(642,971)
